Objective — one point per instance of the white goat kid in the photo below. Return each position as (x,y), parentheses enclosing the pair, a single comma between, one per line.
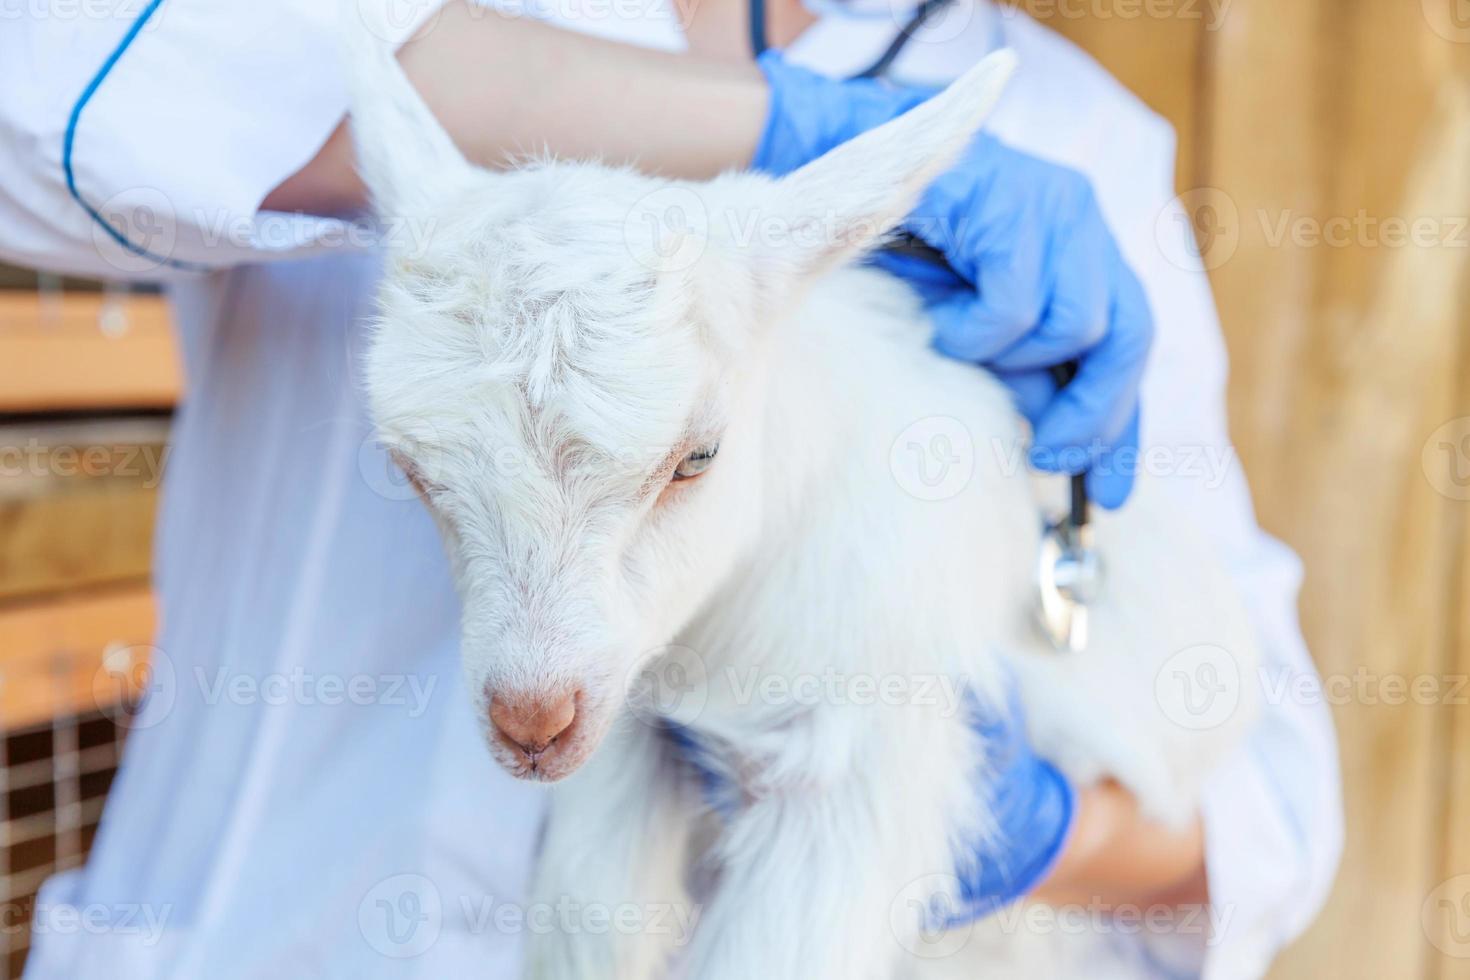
(557,381)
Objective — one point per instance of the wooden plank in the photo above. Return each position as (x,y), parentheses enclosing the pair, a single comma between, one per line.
(1446,911)
(1330,119)
(1445,914)
(72,655)
(84,539)
(86,350)
(77,501)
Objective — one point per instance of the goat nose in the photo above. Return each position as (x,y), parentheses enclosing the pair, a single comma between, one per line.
(533,723)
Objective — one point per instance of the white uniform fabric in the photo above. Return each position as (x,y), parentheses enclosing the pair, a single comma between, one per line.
(306,794)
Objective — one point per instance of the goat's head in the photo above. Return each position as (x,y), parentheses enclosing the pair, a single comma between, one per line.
(566,364)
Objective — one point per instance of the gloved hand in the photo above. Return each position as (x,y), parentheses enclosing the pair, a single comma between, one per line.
(1032,807)
(1037,278)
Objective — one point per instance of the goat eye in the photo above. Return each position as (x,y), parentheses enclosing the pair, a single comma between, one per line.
(695,463)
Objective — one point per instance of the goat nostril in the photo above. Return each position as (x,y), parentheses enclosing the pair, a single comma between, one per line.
(533,723)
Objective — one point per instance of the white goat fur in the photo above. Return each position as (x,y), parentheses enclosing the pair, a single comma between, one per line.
(533,363)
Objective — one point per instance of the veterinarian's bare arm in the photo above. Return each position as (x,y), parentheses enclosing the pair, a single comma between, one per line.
(1116,857)
(503,86)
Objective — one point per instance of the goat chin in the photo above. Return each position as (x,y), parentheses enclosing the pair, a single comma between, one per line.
(879,571)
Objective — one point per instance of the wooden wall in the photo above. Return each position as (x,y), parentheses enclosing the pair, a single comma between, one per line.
(1350,354)
(83,439)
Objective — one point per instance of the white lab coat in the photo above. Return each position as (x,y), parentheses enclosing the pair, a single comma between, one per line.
(307,795)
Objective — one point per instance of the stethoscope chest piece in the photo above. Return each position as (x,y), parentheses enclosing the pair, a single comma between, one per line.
(1068,578)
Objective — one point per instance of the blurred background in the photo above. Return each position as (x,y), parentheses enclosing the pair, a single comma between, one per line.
(89,379)
(1324,156)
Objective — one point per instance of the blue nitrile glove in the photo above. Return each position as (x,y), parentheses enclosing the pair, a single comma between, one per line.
(1040,278)
(1032,807)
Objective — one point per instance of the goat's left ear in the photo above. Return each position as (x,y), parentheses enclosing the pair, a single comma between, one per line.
(846,201)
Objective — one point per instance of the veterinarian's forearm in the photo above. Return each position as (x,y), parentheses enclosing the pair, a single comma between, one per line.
(1116,856)
(504,86)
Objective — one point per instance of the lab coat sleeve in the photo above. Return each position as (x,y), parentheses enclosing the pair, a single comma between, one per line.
(1272,812)
(147,133)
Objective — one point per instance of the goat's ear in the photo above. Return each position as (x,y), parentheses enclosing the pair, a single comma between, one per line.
(848,200)
(403,155)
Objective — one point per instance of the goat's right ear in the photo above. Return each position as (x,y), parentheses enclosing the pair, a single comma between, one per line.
(404,155)
(850,199)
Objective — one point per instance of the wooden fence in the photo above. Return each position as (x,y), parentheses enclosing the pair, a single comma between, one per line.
(1325,152)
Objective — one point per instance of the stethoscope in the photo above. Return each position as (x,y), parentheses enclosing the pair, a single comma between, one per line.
(1068,569)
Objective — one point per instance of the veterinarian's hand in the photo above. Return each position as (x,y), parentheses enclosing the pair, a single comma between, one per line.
(1037,276)
(1032,806)
(1032,810)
